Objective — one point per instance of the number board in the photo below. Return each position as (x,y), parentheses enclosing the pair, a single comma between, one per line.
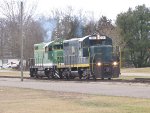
(97,38)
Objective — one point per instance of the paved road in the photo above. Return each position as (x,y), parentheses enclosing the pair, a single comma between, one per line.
(102,88)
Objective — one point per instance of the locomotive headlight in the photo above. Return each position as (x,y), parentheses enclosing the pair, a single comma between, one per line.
(115,63)
(99,63)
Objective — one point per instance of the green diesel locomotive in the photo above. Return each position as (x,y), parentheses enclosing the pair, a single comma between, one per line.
(88,57)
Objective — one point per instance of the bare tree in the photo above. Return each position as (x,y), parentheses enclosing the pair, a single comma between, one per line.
(68,25)
(33,33)
(1,38)
(32,30)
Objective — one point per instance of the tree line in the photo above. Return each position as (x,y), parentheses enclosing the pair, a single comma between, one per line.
(131,31)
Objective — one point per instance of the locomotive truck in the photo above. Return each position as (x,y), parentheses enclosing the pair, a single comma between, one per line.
(89,57)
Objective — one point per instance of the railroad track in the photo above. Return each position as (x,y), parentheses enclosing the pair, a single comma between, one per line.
(135,80)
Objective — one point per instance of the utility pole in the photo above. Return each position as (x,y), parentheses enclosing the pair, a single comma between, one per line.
(120,54)
(1,38)
(21,36)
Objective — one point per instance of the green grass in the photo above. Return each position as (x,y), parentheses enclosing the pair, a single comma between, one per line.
(16,100)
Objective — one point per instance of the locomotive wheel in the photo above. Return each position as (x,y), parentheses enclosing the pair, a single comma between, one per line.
(31,75)
(80,76)
(102,78)
(61,74)
(66,74)
(109,78)
(53,74)
(88,76)
(36,76)
(94,78)
(61,77)
(72,77)
(53,77)
(48,76)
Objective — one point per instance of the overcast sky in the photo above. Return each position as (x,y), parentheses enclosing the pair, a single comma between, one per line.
(109,8)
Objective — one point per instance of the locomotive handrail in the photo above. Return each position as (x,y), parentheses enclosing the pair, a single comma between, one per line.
(92,62)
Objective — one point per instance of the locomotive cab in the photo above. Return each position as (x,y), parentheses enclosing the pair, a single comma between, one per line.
(103,63)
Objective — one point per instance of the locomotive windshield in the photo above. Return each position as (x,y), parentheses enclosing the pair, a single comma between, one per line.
(104,53)
(100,42)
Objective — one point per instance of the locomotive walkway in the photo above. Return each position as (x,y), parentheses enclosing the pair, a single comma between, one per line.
(102,88)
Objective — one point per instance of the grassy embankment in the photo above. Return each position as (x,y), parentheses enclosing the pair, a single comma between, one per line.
(15,100)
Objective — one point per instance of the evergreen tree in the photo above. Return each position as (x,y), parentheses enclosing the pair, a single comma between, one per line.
(135,30)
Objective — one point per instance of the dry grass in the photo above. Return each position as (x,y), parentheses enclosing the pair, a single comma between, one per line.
(135,70)
(13,73)
(133,77)
(15,100)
